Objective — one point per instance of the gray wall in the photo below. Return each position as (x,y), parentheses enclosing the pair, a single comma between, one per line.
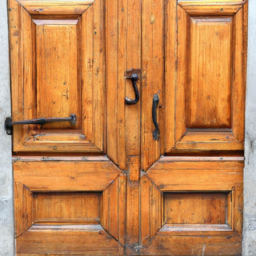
(6,194)
(249,238)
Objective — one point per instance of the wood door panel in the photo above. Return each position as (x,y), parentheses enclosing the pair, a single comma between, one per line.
(208,92)
(197,201)
(82,207)
(195,208)
(58,86)
(71,240)
(66,207)
(58,69)
(207,110)
(55,7)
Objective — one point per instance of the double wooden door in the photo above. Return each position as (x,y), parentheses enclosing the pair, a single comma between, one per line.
(160,176)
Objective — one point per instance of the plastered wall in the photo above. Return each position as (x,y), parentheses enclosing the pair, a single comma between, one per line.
(249,231)
(6,194)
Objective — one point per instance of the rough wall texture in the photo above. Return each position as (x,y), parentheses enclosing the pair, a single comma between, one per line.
(6,194)
(249,235)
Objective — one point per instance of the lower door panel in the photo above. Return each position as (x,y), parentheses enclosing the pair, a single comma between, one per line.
(69,207)
(192,206)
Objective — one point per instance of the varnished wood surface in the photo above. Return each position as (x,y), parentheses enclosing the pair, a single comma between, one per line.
(195,208)
(56,6)
(59,71)
(153,21)
(104,186)
(69,240)
(176,197)
(60,202)
(65,176)
(201,118)
(66,207)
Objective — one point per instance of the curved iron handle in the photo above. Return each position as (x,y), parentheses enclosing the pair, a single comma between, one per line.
(156,132)
(134,78)
(41,121)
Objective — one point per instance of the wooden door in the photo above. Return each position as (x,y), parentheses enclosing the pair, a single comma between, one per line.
(70,198)
(107,185)
(194,59)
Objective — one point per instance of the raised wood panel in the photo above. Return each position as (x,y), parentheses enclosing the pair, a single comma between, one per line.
(62,205)
(208,92)
(58,89)
(195,208)
(207,109)
(59,71)
(193,204)
(66,208)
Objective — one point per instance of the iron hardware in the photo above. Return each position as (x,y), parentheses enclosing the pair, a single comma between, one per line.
(41,121)
(134,77)
(156,133)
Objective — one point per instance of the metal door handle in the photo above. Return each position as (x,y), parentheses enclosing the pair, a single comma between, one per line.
(9,124)
(134,78)
(156,133)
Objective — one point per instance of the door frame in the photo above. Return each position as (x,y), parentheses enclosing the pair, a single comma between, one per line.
(7,244)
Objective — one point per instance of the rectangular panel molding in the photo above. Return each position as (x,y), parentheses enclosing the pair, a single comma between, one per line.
(58,69)
(205,101)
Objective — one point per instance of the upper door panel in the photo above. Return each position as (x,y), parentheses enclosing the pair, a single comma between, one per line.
(205,88)
(194,59)
(58,69)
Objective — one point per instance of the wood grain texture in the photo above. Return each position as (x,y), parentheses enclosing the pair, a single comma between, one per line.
(68,200)
(93,74)
(73,56)
(187,227)
(203,118)
(114,209)
(211,10)
(69,240)
(58,88)
(56,6)
(23,200)
(211,2)
(152,78)
(115,81)
(195,208)
(123,51)
(66,208)
(133,205)
(200,176)
(151,207)
(193,245)
(61,71)
(133,62)
(208,97)
(65,176)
